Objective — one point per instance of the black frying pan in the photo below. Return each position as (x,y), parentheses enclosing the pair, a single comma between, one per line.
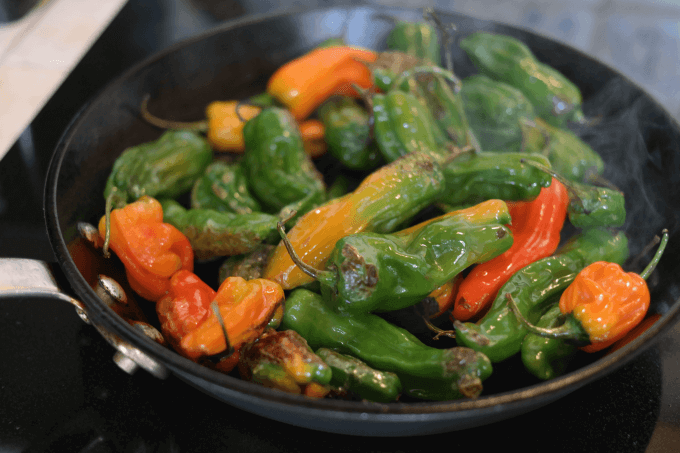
(636,137)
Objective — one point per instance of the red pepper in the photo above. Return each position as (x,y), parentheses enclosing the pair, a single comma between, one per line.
(601,305)
(152,251)
(536,227)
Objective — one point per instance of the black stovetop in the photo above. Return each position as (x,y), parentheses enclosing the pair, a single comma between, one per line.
(61,391)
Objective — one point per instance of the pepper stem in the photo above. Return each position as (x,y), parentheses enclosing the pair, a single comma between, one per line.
(445,29)
(317,274)
(220,320)
(113,196)
(565,331)
(657,256)
(198,126)
(418,70)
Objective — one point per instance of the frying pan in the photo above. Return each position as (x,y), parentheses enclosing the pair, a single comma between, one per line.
(637,138)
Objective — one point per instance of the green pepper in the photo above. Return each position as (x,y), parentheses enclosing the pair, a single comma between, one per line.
(547,358)
(348,135)
(456,372)
(499,334)
(353,375)
(500,116)
(167,167)
(371,272)
(418,39)
(279,171)
(568,154)
(388,66)
(507,59)
(248,266)
(475,177)
(593,206)
(224,187)
(213,233)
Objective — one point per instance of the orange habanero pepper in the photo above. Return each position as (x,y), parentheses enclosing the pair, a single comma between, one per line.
(151,251)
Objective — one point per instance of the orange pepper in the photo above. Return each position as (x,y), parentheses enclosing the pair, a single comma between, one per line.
(445,296)
(245,306)
(305,82)
(313,135)
(225,128)
(151,251)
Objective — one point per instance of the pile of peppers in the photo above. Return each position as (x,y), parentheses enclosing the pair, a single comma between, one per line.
(458,199)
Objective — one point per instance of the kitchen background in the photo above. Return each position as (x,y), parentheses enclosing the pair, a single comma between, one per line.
(640,39)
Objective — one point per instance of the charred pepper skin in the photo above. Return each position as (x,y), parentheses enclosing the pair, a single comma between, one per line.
(347,133)
(279,170)
(214,234)
(500,115)
(475,177)
(369,272)
(457,372)
(547,358)
(507,59)
(353,375)
(499,334)
(224,187)
(166,167)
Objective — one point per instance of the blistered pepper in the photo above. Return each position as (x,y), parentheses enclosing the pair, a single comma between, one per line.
(507,59)
(536,227)
(602,304)
(371,272)
(214,233)
(306,82)
(166,167)
(498,334)
(151,250)
(278,169)
(244,308)
(385,199)
(431,373)
(224,187)
(283,360)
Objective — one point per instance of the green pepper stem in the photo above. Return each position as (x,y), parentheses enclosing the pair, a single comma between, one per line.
(220,320)
(317,274)
(429,15)
(448,75)
(567,331)
(657,256)
(198,126)
(114,195)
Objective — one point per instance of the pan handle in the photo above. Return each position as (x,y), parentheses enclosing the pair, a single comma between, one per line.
(21,277)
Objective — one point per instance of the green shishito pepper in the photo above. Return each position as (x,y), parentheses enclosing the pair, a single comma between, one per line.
(568,154)
(248,266)
(280,172)
(371,272)
(354,376)
(224,187)
(214,234)
(347,133)
(449,373)
(166,167)
(499,334)
(418,39)
(500,115)
(547,358)
(507,59)
(475,177)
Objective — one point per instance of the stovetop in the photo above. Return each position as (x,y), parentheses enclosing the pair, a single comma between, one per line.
(61,391)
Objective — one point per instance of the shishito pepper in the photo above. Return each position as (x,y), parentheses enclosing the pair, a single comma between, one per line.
(500,115)
(371,272)
(601,305)
(244,308)
(167,167)
(354,376)
(507,59)
(151,250)
(536,227)
(498,334)
(449,373)
(283,360)
(385,199)
(418,39)
(214,233)
(473,177)
(249,266)
(278,169)
(348,135)
(306,82)
(224,187)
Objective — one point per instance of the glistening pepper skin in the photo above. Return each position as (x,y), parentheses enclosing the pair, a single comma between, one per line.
(450,373)
(509,60)
(499,334)
(224,187)
(370,272)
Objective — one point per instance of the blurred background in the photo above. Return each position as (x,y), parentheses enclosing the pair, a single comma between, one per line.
(57,54)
